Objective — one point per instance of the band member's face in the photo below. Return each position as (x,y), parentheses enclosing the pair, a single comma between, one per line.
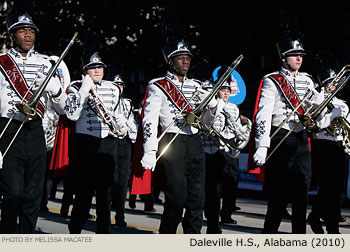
(96,73)
(182,63)
(294,61)
(224,94)
(24,38)
(330,87)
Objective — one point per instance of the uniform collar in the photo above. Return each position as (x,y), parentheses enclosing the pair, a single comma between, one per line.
(16,54)
(174,78)
(288,74)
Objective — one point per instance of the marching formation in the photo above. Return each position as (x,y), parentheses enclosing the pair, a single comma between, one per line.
(185,134)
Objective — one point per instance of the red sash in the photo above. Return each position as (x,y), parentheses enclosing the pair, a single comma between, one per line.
(141,178)
(13,75)
(288,91)
(174,94)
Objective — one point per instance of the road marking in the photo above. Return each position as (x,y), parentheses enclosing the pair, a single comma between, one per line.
(56,210)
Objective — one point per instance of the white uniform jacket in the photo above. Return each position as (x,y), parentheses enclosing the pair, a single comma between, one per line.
(160,111)
(273,108)
(220,125)
(77,108)
(124,114)
(29,66)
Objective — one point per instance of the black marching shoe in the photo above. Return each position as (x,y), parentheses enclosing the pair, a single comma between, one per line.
(315,224)
(120,223)
(228,220)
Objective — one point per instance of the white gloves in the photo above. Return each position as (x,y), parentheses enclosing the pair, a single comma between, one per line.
(39,80)
(1,160)
(149,160)
(54,87)
(203,94)
(260,156)
(87,83)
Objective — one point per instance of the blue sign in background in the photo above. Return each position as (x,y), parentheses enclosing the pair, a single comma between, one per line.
(238,88)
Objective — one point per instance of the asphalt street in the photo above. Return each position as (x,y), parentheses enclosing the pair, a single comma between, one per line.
(250,219)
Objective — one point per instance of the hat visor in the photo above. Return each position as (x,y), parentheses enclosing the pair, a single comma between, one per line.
(94,65)
(23,25)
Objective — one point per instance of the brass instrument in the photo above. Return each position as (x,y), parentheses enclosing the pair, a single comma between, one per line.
(29,108)
(193,118)
(308,119)
(242,133)
(341,79)
(340,127)
(102,112)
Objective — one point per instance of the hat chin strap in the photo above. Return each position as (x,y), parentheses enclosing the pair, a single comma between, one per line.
(18,48)
(289,67)
(173,68)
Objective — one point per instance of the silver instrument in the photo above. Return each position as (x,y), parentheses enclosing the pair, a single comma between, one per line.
(242,133)
(101,110)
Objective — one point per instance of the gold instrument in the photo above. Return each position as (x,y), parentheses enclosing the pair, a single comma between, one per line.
(308,119)
(342,79)
(102,112)
(29,108)
(193,118)
(340,127)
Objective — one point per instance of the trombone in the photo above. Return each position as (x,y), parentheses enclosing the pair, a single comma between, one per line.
(193,118)
(306,118)
(29,108)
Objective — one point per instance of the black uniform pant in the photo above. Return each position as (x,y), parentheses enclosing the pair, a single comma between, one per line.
(184,170)
(22,176)
(96,159)
(328,159)
(287,180)
(121,177)
(229,186)
(213,185)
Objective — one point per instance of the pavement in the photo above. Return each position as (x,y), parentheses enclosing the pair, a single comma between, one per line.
(250,219)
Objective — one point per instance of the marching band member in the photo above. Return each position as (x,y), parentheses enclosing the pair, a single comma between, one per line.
(23,170)
(331,171)
(288,171)
(91,104)
(184,161)
(215,156)
(125,117)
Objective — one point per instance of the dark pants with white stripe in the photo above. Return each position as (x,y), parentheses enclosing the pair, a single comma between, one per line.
(184,169)
(288,174)
(121,177)
(95,160)
(22,176)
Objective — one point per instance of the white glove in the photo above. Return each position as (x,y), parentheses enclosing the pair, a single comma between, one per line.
(260,156)
(39,80)
(203,94)
(87,83)
(1,160)
(148,160)
(54,87)
(122,131)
